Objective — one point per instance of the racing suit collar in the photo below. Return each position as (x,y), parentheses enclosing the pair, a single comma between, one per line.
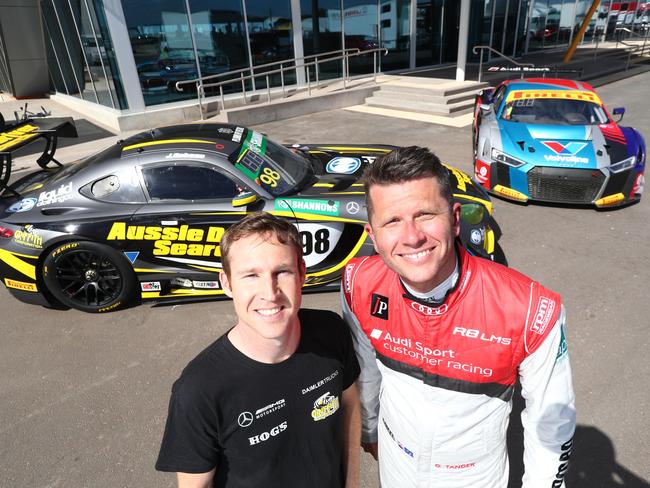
(431,301)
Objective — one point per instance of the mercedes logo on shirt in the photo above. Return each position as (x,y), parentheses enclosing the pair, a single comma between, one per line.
(245,419)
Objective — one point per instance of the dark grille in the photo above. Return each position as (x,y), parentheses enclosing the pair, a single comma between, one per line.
(568,185)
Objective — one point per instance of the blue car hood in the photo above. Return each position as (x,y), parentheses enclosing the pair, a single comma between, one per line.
(549,145)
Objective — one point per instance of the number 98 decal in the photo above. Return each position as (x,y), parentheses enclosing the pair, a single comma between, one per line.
(269,177)
(318,241)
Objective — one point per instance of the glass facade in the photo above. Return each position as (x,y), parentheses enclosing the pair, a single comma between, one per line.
(322,32)
(81,58)
(176,41)
(5,80)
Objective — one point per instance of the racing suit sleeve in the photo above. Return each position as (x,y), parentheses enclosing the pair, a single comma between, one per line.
(369,381)
(549,417)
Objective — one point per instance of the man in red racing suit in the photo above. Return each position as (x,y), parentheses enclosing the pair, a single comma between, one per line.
(439,363)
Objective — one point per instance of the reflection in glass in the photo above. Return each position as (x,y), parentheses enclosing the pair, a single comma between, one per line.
(271,37)
(162,48)
(394,33)
(220,35)
(321,32)
(361,32)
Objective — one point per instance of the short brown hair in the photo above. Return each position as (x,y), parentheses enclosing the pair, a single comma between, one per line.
(407,164)
(263,224)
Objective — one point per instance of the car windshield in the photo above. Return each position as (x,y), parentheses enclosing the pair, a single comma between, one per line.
(271,166)
(554,112)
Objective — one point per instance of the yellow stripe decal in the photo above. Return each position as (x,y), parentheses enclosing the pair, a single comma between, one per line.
(145,270)
(347,193)
(243,212)
(168,141)
(14,137)
(355,149)
(206,268)
(27,269)
(242,155)
(150,294)
(485,203)
(196,292)
(344,261)
(306,216)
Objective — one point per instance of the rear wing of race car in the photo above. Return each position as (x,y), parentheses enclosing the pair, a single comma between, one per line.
(13,136)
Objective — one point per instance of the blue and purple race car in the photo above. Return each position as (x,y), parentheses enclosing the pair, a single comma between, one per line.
(553,140)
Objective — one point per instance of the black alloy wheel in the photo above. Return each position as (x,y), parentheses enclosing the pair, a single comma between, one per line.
(88,276)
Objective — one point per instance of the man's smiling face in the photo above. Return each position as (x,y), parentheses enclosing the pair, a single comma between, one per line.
(413,229)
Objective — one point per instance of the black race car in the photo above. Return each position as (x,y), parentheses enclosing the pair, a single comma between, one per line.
(142,220)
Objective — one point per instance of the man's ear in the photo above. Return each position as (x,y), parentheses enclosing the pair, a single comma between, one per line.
(368,229)
(303,271)
(225,284)
(455,215)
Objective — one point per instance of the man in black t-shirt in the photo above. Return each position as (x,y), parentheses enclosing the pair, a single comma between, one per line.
(273,402)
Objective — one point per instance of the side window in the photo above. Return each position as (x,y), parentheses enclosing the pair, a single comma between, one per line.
(122,186)
(498,97)
(187,182)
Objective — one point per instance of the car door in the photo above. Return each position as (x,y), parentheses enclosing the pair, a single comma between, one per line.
(190,205)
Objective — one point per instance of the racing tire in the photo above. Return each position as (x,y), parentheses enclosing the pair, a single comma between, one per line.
(88,276)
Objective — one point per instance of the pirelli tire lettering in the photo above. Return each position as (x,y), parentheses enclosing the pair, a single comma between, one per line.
(181,240)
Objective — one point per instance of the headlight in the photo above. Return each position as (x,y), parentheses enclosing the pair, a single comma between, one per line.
(502,157)
(623,165)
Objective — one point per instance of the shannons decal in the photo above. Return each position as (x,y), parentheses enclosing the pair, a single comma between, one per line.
(320,207)
(325,406)
(171,241)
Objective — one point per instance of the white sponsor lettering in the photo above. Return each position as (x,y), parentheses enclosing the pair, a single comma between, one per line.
(236,137)
(272,407)
(320,383)
(565,159)
(185,156)
(60,195)
(265,436)
(477,334)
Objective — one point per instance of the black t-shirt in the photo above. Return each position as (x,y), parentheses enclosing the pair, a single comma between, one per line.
(263,424)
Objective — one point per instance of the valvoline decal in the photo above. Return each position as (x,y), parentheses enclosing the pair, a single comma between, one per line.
(343,165)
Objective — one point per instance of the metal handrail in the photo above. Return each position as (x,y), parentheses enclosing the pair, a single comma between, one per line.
(475,50)
(242,79)
(629,49)
(251,69)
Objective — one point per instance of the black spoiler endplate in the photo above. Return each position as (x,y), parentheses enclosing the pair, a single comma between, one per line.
(20,134)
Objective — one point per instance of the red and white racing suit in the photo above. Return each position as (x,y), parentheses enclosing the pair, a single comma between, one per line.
(437,379)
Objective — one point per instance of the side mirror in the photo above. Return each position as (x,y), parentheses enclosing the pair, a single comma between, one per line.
(244,199)
(619,111)
(485,108)
(472,213)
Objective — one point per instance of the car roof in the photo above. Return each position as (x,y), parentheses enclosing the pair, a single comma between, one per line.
(549,84)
